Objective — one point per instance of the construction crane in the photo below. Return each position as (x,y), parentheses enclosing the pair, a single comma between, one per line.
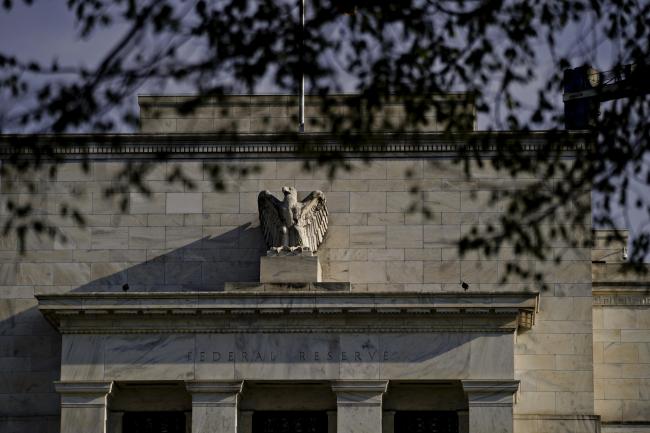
(585,89)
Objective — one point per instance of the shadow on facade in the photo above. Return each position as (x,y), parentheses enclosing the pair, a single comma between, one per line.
(30,347)
(30,361)
(203,265)
(207,264)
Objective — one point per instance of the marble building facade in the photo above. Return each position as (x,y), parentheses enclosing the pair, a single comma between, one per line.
(157,312)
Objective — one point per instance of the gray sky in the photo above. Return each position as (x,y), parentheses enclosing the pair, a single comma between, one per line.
(46,31)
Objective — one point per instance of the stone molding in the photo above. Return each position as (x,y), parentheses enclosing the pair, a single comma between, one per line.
(325,312)
(622,296)
(325,286)
(215,394)
(369,386)
(98,387)
(196,145)
(490,392)
(83,394)
(558,417)
(227,387)
(499,385)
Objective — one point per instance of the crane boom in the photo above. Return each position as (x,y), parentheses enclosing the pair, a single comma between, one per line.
(585,89)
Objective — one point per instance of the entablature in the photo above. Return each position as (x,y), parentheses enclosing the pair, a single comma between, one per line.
(264,145)
(287,312)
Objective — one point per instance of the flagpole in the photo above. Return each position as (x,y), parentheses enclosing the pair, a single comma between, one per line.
(301,109)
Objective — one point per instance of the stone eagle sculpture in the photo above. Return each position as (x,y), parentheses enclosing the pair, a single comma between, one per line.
(290,224)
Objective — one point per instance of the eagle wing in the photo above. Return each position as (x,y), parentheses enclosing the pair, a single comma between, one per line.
(313,219)
(270,222)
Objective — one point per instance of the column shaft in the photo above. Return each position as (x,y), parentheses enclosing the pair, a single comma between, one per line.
(490,405)
(359,405)
(214,406)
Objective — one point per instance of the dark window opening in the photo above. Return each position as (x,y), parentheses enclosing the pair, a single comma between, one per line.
(290,422)
(426,422)
(153,422)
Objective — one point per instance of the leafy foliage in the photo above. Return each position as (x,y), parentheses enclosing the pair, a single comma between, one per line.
(491,49)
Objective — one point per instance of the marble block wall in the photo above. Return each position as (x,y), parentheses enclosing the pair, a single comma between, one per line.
(30,359)
(622,363)
(190,237)
(279,113)
(621,321)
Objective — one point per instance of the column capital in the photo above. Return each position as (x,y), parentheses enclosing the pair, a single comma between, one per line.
(358,405)
(490,392)
(87,387)
(226,387)
(83,394)
(506,386)
(83,406)
(356,386)
(215,394)
(214,405)
(359,392)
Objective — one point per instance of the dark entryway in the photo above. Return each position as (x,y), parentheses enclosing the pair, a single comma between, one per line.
(426,422)
(290,422)
(153,422)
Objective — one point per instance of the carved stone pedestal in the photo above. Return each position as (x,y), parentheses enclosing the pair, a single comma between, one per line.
(290,269)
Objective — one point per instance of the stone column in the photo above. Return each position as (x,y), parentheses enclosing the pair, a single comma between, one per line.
(358,405)
(490,405)
(83,406)
(214,406)
(388,423)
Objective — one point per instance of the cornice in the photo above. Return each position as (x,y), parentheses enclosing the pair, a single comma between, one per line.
(485,327)
(307,312)
(83,387)
(216,145)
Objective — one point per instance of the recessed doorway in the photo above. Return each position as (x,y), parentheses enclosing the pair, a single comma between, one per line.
(153,422)
(290,422)
(426,422)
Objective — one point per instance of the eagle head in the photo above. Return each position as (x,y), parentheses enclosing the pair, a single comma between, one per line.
(289,190)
